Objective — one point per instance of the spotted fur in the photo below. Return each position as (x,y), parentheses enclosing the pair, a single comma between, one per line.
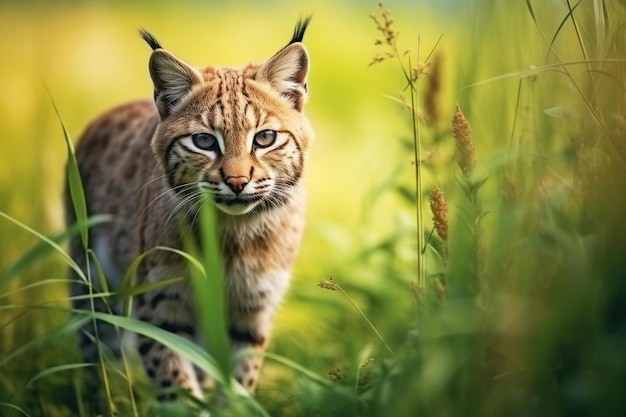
(241,135)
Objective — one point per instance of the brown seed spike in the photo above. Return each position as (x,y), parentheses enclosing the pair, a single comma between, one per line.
(462,132)
(433,93)
(439,208)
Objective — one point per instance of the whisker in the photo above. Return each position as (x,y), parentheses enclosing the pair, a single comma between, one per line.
(150,182)
(192,204)
(198,203)
(182,203)
(182,187)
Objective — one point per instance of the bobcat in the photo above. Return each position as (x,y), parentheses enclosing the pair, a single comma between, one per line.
(239,134)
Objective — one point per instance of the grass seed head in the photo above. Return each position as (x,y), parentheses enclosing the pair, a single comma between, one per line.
(329,284)
(419,71)
(365,363)
(439,208)
(433,93)
(384,24)
(335,375)
(462,132)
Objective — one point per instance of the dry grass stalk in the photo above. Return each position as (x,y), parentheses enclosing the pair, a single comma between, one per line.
(462,132)
(439,208)
(331,284)
(384,24)
(420,71)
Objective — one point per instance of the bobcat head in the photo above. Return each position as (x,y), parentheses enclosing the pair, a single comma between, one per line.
(239,134)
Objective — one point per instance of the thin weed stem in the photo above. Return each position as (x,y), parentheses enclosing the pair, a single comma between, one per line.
(412,82)
(412,74)
(582,45)
(129,381)
(333,285)
(515,114)
(421,267)
(101,364)
(351,301)
(564,69)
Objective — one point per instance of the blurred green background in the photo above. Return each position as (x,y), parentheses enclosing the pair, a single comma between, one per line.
(544,335)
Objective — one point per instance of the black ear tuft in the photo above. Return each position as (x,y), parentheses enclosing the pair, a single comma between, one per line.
(298,31)
(150,40)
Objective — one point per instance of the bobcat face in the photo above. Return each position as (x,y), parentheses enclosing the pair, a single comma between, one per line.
(238,134)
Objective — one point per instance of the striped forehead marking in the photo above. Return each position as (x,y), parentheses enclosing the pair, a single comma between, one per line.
(233,114)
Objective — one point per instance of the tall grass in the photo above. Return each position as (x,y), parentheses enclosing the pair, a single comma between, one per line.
(508,132)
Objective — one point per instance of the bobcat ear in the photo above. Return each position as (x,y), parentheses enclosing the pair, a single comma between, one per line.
(173,79)
(286,72)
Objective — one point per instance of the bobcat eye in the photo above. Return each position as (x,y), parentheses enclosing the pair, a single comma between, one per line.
(265,138)
(204,141)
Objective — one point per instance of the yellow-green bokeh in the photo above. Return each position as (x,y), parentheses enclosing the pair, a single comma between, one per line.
(528,129)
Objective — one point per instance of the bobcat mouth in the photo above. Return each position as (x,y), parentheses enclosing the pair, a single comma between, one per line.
(237,205)
(244,201)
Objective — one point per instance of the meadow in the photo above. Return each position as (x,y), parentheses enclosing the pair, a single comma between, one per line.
(464,252)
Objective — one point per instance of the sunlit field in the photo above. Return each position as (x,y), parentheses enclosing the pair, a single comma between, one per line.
(465,244)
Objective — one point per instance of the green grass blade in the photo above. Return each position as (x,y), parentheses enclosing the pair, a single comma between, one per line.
(193,261)
(104,285)
(207,281)
(14,407)
(77,193)
(299,368)
(42,248)
(546,68)
(209,290)
(172,409)
(176,343)
(54,245)
(601,18)
(529,6)
(50,371)
(34,285)
(132,290)
(129,287)
(71,327)
(561,25)
(570,14)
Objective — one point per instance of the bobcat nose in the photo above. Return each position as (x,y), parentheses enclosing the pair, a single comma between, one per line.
(237,184)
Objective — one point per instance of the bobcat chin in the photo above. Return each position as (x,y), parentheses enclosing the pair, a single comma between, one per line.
(236,133)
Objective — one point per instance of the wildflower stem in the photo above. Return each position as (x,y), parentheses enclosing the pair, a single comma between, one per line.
(413,82)
(414,88)
(333,285)
(563,66)
(364,317)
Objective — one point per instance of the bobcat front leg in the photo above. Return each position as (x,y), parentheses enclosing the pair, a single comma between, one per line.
(252,304)
(167,309)
(244,337)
